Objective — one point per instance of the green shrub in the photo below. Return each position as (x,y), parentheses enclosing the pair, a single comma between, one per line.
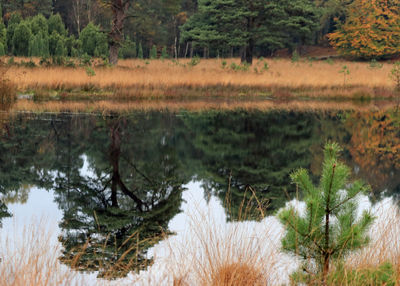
(140,51)
(85,60)
(381,275)
(223,64)
(153,52)
(374,64)
(11,61)
(194,61)
(2,50)
(295,56)
(164,53)
(44,61)
(28,64)
(128,49)
(242,67)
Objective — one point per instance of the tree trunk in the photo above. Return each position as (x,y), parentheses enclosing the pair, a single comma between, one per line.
(249,52)
(325,271)
(191,49)
(119,9)
(176,40)
(186,50)
(205,52)
(250,43)
(115,151)
(243,54)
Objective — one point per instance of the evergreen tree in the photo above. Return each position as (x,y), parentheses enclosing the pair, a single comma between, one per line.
(91,39)
(44,45)
(2,50)
(164,53)
(56,25)
(14,21)
(39,24)
(330,228)
(129,49)
(60,50)
(53,40)
(3,34)
(21,38)
(371,30)
(153,52)
(246,24)
(34,49)
(140,51)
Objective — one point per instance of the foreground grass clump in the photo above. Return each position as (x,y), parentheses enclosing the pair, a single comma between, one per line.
(330,228)
(237,274)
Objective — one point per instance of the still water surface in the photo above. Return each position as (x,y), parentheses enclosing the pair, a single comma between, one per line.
(113,179)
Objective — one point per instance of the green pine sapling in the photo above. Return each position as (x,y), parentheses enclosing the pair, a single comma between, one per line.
(329,228)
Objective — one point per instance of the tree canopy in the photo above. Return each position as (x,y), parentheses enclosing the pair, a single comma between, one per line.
(371,30)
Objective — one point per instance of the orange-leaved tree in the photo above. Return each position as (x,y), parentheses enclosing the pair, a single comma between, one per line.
(371,29)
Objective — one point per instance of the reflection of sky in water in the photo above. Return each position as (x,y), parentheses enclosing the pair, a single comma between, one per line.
(180,254)
(40,208)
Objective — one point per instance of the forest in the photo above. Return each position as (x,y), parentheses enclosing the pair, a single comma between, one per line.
(186,28)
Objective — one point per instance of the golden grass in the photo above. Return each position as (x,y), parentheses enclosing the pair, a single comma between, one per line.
(239,254)
(237,274)
(135,78)
(109,106)
(31,259)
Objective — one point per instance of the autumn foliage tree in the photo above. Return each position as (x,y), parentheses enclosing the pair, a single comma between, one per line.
(371,30)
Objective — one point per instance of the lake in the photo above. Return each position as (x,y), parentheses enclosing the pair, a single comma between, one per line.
(115,186)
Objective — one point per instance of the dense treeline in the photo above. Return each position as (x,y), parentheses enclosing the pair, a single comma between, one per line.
(183,28)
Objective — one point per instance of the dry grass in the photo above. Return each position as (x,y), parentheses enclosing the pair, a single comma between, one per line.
(31,259)
(110,106)
(237,274)
(214,253)
(135,78)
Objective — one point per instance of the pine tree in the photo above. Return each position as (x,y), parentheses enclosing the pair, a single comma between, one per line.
(140,52)
(153,52)
(34,49)
(246,24)
(329,229)
(56,24)
(21,39)
(60,49)
(2,51)
(371,30)
(164,53)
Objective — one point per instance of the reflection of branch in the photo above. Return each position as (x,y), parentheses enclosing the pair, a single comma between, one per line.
(139,172)
(54,128)
(129,193)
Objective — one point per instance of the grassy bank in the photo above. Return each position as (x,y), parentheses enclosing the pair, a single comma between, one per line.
(118,106)
(279,78)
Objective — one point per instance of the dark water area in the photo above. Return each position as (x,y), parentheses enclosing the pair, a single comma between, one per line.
(116,177)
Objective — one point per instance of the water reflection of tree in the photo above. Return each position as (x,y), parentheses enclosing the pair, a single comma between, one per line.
(120,208)
(239,150)
(21,165)
(375,147)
